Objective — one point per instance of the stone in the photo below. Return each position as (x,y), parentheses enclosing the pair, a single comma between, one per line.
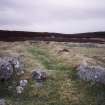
(91,73)
(6,70)
(39,75)
(2,102)
(23,83)
(17,64)
(19,90)
(9,66)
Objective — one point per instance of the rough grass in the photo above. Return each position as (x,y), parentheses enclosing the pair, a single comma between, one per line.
(49,62)
(61,88)
(72,91)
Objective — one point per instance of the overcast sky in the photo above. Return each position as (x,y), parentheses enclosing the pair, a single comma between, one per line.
(62,16)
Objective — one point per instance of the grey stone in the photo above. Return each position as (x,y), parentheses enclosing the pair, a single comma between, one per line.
(19,90)
(17,64)
(9,66)
(6,70)
(39,75)
(91,73)
(23,83)
(2,102)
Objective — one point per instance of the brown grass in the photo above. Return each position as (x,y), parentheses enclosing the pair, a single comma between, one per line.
(61,88)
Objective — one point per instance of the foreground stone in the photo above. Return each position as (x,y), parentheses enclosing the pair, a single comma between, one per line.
(17,64)
(19,90)
(91,73)
(39,75)
(10,66)
(6,69)
(2,102)
(23,83)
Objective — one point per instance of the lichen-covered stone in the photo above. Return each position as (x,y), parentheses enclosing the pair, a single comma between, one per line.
(2,102)
(91,73)
(17,64)
(19,90)
(39,75)
(9,66)
(23,83)
(6,70)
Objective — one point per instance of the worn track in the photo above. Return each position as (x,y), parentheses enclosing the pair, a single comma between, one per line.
(95,37)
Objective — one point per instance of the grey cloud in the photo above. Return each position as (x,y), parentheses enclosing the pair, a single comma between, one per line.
(66,16)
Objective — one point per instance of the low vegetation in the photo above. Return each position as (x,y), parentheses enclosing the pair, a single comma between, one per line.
(49,62)
(61,88)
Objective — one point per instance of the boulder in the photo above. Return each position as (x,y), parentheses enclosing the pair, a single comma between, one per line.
(17,64)
(39,75)
(2,102)
(19,90)
(9,66)
(6,70)
(23,83)
(91,73)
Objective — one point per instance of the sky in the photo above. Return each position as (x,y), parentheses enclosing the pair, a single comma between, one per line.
(60,16)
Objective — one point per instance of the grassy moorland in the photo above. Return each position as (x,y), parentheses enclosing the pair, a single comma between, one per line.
(62,86)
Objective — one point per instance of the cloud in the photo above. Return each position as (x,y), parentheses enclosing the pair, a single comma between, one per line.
(64,16)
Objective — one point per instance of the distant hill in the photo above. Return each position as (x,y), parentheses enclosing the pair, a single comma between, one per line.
(94,37)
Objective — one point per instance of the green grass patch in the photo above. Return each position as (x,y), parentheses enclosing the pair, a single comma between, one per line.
(84,93)
(61,88)
(49,62)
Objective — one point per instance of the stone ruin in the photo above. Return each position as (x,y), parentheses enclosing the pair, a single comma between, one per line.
(10,66)
(94,74)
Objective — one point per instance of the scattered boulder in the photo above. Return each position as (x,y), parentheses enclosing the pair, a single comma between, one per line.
(19,90)
(91,73)
(6,70)
(17,64)
(23,83)
(2,102)
(21,87)
(9,66)
(39,75)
